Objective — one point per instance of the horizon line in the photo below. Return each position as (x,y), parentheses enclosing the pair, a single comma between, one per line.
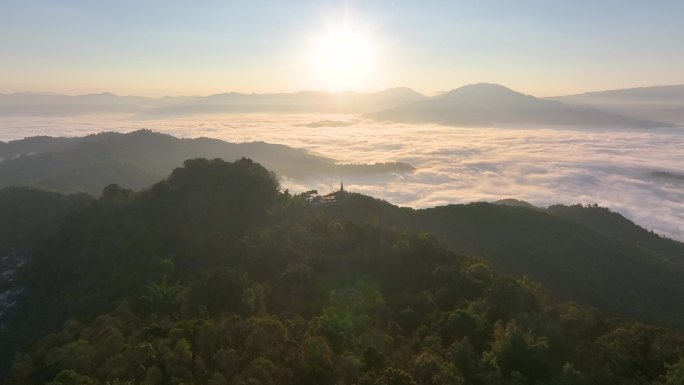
(427,94)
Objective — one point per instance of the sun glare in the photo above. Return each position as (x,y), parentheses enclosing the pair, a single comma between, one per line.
(343,60)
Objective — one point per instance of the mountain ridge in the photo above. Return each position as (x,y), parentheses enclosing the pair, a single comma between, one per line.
(48,104)
(632,91)
(479,104)
(663,103)
(487,104)
(140,158)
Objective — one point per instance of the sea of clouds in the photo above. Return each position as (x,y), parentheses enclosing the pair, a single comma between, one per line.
(543,166)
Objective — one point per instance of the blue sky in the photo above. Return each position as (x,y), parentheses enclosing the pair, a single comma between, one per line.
(175,47)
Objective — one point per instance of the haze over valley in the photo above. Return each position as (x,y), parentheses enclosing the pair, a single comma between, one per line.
(341,192)
(543,165)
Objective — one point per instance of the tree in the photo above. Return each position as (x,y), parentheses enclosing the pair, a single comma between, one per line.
(675,373)
(394,376)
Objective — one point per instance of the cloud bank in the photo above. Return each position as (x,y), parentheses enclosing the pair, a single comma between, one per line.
(454,165)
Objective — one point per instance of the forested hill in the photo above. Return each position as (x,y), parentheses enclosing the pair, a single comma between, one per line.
(141,158)
(213,276)
(584,254)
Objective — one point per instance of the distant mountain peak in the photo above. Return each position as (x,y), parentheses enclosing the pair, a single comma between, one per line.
(100,95)
(491,105)
(404,90)
(480,89)
(484,86)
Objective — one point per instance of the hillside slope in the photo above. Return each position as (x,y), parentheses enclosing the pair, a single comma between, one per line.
(213,276)
(627,271)
(138,159)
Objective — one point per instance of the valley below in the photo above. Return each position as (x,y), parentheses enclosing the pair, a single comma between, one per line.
(542,165)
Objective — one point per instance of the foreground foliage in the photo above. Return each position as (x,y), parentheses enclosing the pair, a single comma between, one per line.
(214,277)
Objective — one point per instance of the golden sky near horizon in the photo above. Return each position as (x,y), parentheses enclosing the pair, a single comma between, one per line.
(158,48)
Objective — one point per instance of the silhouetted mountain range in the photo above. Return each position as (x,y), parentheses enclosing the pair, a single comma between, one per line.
(49,104)
(482,105)
(141,158)
(297,102)
(660,103)
(476,105)
(472,105)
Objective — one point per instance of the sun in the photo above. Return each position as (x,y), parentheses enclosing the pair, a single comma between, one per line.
(343,59)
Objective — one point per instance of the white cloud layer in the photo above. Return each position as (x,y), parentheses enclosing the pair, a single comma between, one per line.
(454,165)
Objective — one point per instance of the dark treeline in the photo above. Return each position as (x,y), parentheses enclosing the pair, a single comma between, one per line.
(213,276)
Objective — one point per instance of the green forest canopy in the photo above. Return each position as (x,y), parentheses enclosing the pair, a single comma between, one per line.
(213,276)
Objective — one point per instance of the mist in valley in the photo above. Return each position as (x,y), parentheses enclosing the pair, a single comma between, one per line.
(541,165)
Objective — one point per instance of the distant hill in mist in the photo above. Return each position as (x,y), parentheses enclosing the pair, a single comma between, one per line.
(50,104)
(139,159)
(475,105)
(297,102)
(39,104)
(482,105)
(661,103)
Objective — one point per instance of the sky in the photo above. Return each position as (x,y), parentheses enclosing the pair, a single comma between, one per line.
(183,47)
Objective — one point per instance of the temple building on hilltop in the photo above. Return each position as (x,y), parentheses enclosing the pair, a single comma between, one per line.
(338,196)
